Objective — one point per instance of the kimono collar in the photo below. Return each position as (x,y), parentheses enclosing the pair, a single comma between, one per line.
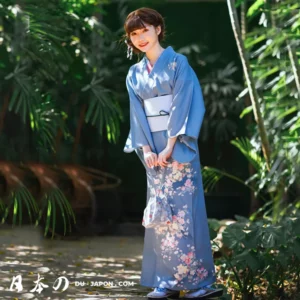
(160,62)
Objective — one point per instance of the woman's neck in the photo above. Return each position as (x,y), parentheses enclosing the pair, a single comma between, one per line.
(154,53)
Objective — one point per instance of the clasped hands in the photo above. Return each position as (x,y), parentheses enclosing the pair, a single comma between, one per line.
(153,160)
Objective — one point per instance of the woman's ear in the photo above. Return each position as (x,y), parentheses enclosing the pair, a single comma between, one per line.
(158,29)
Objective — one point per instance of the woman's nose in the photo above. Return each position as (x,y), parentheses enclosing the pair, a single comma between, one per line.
(141,37)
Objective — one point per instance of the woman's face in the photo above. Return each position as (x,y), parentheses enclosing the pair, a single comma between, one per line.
(144,38)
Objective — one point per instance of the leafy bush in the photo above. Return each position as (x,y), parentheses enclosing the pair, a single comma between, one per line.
(261,258)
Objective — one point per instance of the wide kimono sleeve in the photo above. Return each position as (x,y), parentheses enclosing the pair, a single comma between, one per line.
(187,111)
(136,137)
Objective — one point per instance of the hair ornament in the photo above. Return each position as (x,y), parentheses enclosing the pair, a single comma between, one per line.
(129,50)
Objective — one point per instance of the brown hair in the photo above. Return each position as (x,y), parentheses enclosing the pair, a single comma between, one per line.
(137,19)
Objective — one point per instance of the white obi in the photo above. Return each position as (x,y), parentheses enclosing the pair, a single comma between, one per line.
(157,111)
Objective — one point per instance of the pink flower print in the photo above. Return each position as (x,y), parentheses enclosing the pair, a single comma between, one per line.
(183,257)
(168,183)
(156,181)
(182,269)
(202,273)
(190,254)
(181,214)
(174,218)
(175,165)
(181,221)
(187,260)
(174,227)
(181,167)
(182,188)
(177,276)
(188,183)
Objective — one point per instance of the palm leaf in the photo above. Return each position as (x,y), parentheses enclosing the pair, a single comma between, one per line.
(52,198)
(17,197)
(244,145)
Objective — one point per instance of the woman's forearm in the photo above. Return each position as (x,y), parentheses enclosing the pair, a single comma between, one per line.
(146,148)
(171,142)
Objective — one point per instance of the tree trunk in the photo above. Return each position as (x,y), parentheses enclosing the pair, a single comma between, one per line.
(4,110)
(244,19)
(295,65)
(254,204)
(250,82)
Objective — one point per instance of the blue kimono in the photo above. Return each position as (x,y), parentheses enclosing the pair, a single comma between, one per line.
(176,256)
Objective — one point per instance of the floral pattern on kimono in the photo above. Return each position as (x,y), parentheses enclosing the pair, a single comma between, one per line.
(178,180)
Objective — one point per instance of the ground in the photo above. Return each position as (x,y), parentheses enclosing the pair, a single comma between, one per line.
(90,260)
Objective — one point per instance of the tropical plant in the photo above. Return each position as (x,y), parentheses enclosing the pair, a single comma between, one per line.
(218,87)
(57,59)
(272,73)
(259,258)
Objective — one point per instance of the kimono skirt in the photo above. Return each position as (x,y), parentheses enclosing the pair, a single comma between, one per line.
(177,256)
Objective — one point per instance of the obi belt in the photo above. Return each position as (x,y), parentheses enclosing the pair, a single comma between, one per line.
(157,111)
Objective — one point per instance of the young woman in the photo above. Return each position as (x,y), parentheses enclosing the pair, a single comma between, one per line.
(166,113)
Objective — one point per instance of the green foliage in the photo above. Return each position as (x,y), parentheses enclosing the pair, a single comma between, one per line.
(20,197)
(17,197)
(56,51)
(261,255)
(219,88)
(274,60)
(84,6)
(276,81)
(51,201)
(59,70)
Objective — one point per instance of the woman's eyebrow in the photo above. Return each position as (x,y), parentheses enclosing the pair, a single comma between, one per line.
(140,29)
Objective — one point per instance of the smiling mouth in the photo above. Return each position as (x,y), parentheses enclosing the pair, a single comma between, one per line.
(143,45)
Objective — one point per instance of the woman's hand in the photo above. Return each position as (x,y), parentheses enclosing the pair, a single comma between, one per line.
(150,159)
(164,155)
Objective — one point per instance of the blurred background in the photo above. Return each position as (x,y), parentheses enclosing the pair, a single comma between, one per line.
(64,112)
(64,119)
